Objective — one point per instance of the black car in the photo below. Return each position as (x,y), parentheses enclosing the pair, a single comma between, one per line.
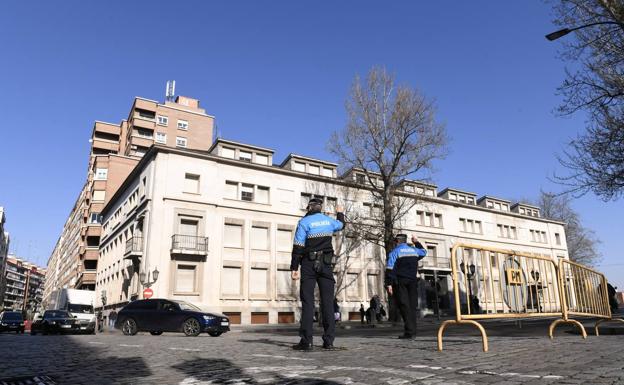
(162,315)
(11,321)
(55,321)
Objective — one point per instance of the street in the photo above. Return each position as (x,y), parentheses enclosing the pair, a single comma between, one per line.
(370,356)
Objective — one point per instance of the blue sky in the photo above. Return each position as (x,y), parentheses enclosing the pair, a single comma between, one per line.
(276,74)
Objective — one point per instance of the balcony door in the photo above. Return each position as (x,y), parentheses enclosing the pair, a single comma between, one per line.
(189,230)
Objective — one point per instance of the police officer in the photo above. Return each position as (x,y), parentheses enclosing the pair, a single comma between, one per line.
(313,251)
(400,279)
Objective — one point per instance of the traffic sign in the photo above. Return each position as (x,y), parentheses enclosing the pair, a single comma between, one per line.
(148,293)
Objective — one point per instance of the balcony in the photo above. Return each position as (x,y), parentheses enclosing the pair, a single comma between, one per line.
(189,245)
(436,263)
(134,248)
(144,122)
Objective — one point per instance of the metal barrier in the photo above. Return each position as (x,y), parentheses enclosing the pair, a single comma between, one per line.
(491,283)
(584,294)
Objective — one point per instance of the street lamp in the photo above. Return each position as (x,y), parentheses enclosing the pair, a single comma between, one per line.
(103,296)
(469,274)
(562,32)
(146,282)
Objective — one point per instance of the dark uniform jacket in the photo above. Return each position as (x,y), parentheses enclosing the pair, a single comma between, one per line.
(314,233)
(403,262)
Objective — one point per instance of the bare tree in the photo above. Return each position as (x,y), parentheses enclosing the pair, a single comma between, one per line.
(595,158)
(582,242)
(391,134)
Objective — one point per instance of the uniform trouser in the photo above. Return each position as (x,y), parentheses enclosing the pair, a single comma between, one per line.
(407,298)
(325,280)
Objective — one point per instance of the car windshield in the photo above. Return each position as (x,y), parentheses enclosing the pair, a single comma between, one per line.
(56,314)
(76,308)
(187,306)
(11,317)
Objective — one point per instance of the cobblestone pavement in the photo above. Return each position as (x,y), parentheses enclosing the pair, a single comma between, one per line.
(372,356)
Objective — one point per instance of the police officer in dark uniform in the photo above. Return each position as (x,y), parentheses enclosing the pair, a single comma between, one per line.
(400,279)
(313,251)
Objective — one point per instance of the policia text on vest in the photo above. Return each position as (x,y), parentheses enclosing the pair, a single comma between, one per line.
(400,280)
(313,252)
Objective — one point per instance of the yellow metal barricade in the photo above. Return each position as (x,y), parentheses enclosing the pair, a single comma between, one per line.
(584,294)
(491,283)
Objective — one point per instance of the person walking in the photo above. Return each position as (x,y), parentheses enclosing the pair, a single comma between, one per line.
(314,254)
(400,279)
(362,313)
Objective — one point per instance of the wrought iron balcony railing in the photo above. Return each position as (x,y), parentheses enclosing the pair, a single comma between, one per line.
(189,243)
(134,245)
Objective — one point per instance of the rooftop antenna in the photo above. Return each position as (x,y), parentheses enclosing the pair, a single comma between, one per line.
(170,91)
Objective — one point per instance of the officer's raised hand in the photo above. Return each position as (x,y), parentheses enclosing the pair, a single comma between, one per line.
(339,209)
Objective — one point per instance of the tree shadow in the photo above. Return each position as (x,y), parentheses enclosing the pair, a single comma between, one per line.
(222,371)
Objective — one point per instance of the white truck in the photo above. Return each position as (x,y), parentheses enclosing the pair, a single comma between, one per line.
(79,303)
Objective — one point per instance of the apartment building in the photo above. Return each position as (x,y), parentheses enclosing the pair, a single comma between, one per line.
(4,251)
(215,228)
(115,151)
(24,285)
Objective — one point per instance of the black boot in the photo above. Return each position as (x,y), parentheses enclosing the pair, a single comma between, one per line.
(302,346)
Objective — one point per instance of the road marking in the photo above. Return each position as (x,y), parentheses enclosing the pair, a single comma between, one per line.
(510,374)
(283,357)
(186,349)
(96,343)
(430,367)
(131,346)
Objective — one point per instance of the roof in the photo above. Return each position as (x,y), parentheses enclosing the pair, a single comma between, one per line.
(295,156)
(233,143)
(456,190)
(493,198)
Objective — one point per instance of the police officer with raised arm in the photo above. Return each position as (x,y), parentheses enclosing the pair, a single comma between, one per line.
(400,279)
(313,251)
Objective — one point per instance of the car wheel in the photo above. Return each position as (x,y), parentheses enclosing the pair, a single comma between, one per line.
(129,327)
(215,334)
(191,327)
(156,333)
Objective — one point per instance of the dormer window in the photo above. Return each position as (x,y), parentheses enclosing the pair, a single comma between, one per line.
(298,166)
(244,156)
(360,178)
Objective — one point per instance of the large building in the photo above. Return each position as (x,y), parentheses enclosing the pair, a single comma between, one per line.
(215,228)
(24,286)
(115,151)
(4,251)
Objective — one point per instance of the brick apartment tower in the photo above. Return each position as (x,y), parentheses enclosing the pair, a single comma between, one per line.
(115,150)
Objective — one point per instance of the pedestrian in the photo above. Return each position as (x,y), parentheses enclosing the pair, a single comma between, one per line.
(112,317)
(362,313)
(369,316)
(336,311)
(382,313)
(400,279)
(313,252)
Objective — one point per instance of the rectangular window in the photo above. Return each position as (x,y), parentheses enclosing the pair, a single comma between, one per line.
(244,156)
(284,240)
(233,236)
(163,120)
(372,284)
(227,152)
(314,170)
(247,192)
(462,222)
(328,172)
(259,238)
(191,183)
(303,200)
(330,204)
(231,281)
(231,189)
(298,166)
(95,218)
(99,195)
(360,178)
(186,279)
(258,279)
(353,285)
(182,124)
(262,159)
(189,227)
(101,174)
(284,282)
(262,194)
(161,137)
(437,220)
(557,238)
(143,133)
(180,141)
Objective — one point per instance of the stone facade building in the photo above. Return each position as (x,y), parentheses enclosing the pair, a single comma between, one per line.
(217,227)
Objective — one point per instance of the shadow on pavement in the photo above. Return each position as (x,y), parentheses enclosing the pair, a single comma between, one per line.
(221,371)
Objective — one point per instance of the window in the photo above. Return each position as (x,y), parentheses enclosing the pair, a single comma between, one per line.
(99,195)
(557,238)
(303,200)
(353,285)
(231,189)
(180,141)
(247,192)
(191,183)
(227,152)
(262,159)
(259,238)
(231,281)
(470,226)
(314,170)
(262,194)
(186,279)
(244,156)
(284,282)
(453,196)
(182,124)
(189,227)
(95,218)
(328,172)
(258,279)
(372,284)
(330,204)
(298,166)
(161,137)
(101,174)
(233,235)
(505,231)
(143,133)
(360,178)
(284,240)
(163,120)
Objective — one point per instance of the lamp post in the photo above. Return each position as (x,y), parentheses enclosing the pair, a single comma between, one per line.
(470,273)
(145,280)
(562,32)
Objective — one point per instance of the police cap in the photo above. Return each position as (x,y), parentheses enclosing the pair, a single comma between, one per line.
(315,201)
(401,238)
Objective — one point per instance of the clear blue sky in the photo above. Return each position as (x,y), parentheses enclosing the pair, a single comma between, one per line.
(276,74)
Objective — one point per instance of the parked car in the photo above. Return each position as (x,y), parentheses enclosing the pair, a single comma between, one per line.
(11,321)
(55,321)
(162,315)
